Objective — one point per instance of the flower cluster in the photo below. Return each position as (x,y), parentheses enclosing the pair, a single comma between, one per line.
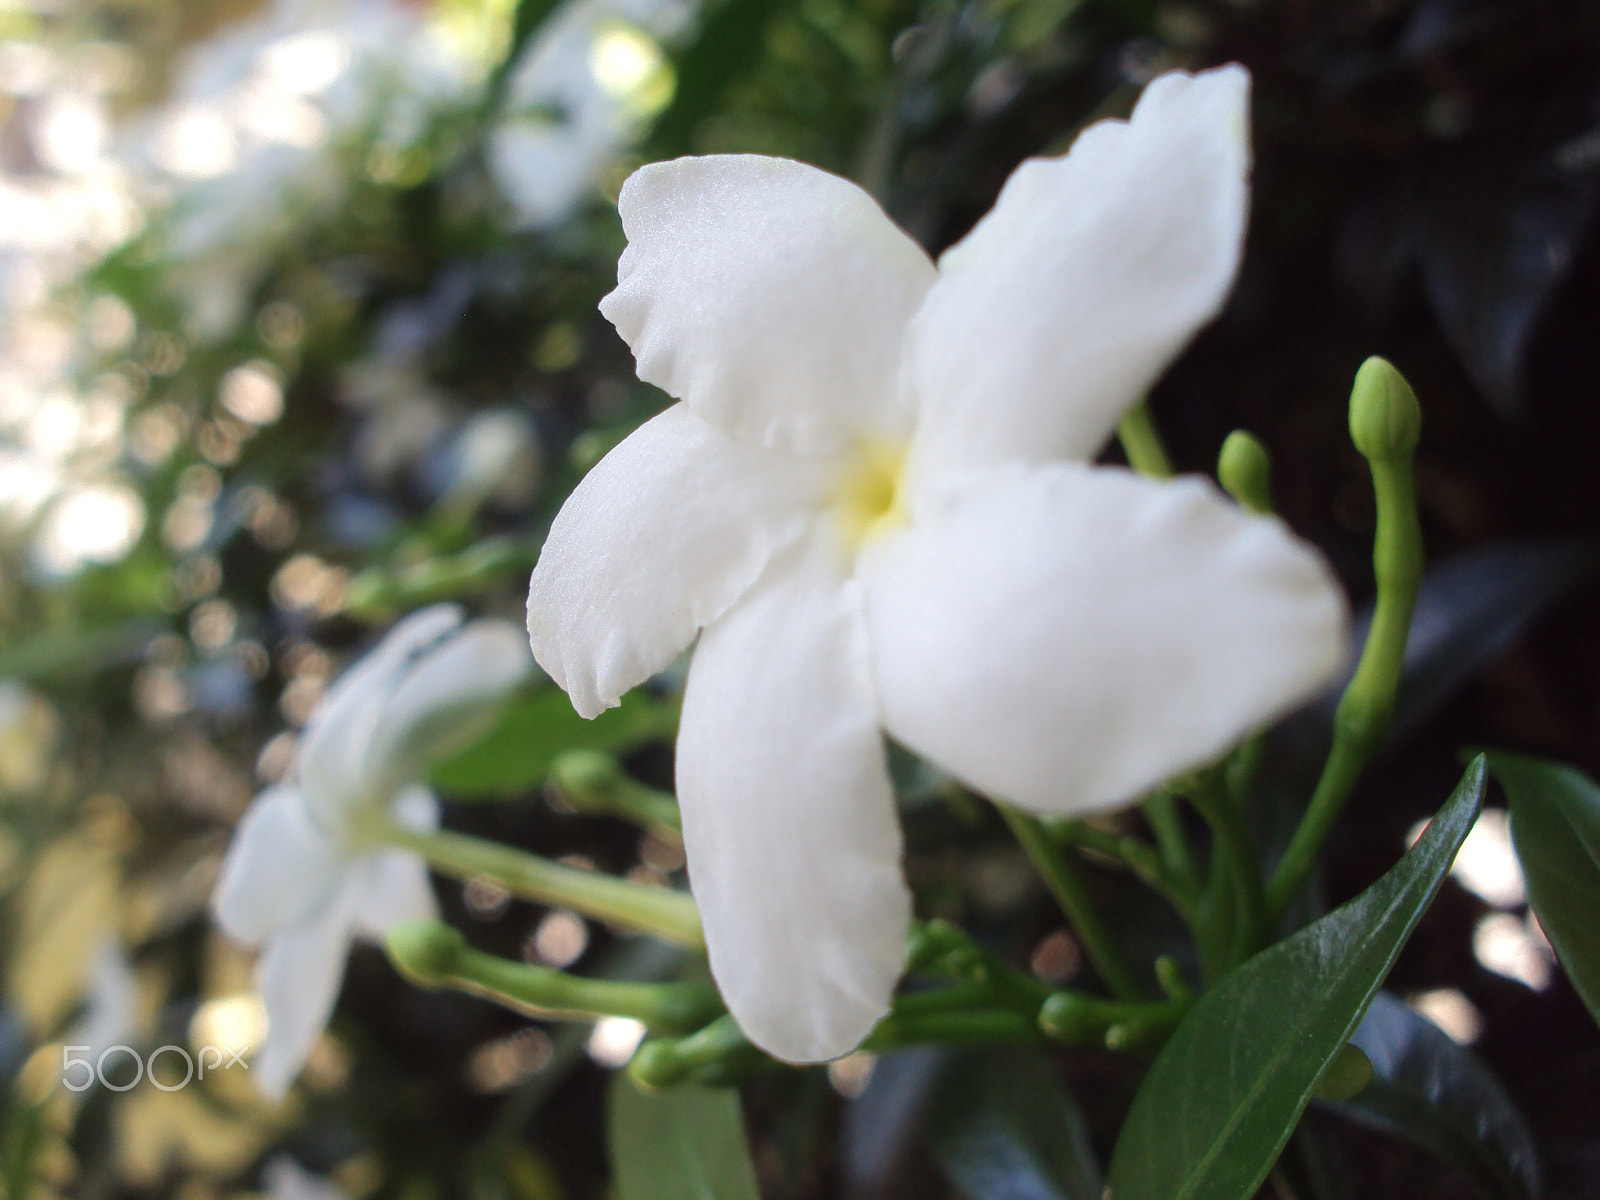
(873,506)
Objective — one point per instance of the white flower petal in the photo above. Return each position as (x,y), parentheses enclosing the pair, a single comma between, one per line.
(392,886)
(665,533)
(333,754)
(771,296)
(1061,308)
(279,867)
(446,699)
(788,815)
(1066,637)
(298,976)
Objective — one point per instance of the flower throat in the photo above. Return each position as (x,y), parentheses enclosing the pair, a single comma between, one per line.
(867,500)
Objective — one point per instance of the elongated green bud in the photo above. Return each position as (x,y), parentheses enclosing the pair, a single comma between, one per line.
(1245,471)
(425,952)
(1385,419)
(595,783)
(433,955)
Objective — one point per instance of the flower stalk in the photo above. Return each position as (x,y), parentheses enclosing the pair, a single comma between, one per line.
(1065,884)
(668,915)
(434,955)
(1385,421)
(1139,856)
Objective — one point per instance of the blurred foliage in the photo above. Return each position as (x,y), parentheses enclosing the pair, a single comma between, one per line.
(340,380)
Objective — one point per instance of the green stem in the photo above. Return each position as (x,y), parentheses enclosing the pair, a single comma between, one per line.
(1236,869)
(1166,824)
(668,915)
(1138,856)
(1068,889)
(1142,444)
(899,1030)
(435,955)
(1384,422)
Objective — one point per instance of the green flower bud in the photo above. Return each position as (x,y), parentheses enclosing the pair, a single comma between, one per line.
(594,783)
(425,952)
(1245,471)
(1346,1076)
(587,779)
(1385,419)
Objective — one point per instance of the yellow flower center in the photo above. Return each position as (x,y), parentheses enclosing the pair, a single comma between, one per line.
(867,501)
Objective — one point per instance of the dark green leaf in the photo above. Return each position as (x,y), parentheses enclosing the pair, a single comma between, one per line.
(516,755)
(1004,1128)
(1226,1092)
(1555,826)
(1502,224)
(1473,607)
(685,1143)
(1437,1095)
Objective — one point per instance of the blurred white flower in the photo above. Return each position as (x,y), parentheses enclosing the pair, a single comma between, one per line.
(308,869)
(266,114)
(579,95)
(873,501)
(496,456)
(285,1179)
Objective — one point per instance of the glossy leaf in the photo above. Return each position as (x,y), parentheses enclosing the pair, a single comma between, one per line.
(1502,227)
(1004,1128)
(516,755)
(1555,827)
(1439,1096)
(684,1143)
(1226,1092)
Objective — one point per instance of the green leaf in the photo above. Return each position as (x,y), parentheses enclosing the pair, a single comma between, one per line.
(732,38)
(516,755)
(1002,1125)
(1555,827)
(1226,1092)
(1474,606)
(685,1143)
(1437,1095)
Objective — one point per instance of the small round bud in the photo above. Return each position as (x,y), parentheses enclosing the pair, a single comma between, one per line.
(425,952)
(1385,419)
(1346,1076)
(1245,471)
(1063,1015)
(587,779)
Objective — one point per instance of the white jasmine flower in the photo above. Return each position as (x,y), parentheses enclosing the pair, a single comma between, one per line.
(873,501)
(308,870)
